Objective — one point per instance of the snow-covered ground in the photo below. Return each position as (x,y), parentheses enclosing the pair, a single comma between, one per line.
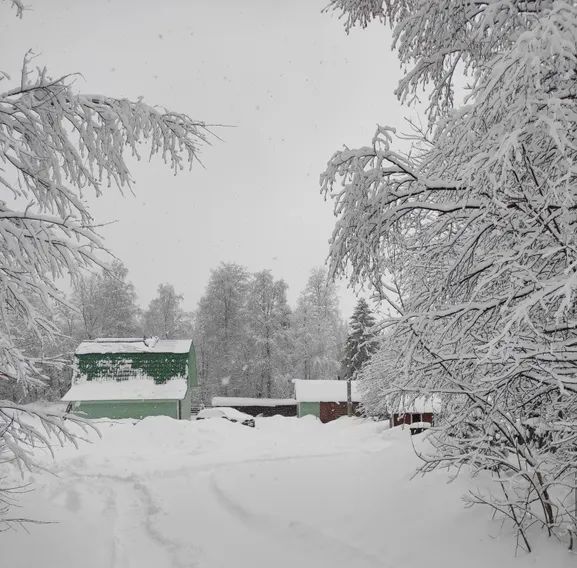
(162,493)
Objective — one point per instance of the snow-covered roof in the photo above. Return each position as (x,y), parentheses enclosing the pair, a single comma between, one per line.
(419,405)
(129,389)
(325,391)
(134,345)
(243,401)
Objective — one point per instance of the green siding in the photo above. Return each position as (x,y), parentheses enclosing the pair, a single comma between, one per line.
(186,405)
(126,409)
(306,408)
(160,366)
(192,375)
(118,366)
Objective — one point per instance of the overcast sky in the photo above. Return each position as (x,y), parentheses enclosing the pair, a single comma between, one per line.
(293,84)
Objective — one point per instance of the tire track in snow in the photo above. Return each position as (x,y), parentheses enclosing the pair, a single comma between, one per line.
(76,466)
(113,510)
(293,541)
(70,499)
(177,550)
(129,514)
(305,537)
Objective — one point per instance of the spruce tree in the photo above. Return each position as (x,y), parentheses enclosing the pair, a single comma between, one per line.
(361,342)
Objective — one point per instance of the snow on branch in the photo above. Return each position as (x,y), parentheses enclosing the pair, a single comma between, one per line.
(55,146)
(471,240)
(19,6)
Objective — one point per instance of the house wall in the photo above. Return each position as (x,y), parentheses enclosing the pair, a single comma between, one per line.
(326,411)
(192,372)
(186,405)
(126,408)
(411,418)
(118,366)
(306,408)
(332,410)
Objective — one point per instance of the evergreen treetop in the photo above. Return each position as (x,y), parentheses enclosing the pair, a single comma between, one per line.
(361,342)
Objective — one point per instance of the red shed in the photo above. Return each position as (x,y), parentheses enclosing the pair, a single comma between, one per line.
(418,414)
(325,399)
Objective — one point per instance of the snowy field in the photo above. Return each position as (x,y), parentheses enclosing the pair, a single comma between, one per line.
(290,492)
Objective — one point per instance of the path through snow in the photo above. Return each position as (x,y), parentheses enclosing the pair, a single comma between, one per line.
(288,493)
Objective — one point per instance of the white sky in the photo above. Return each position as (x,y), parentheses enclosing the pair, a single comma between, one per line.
(295,86)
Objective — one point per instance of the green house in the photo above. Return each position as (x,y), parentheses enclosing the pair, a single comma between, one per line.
(133,378)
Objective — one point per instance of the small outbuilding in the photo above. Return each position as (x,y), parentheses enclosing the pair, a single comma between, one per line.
(325,399)
(133,378)
(258,406)
(419,414)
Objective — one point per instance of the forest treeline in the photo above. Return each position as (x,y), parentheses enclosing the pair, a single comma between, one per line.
(249,340)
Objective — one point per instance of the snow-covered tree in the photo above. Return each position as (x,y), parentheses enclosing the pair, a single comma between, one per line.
(361,341)
(471,239)
(318,332)
(220,324)
(165,316)
(51,356)
(56,145)
(107,305)
(267,315)
(242,334)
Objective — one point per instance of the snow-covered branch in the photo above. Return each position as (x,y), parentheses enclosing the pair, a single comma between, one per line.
(55,146)
(477,227)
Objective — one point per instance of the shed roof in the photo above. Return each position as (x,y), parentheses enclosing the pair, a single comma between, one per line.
(418,405)
(244,401)
(325,391)
(130,389)
(134,345)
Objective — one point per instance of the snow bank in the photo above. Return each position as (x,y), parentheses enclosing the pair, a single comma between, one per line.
(290,492)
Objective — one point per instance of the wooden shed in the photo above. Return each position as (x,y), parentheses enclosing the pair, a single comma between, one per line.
(324,399)
(133,378)
(258,406)
(419,413)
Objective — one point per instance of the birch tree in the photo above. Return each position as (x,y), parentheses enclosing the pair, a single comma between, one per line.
(318,331)
(471,240)
(220,320)
(165,316)
(267,314)
(56,146)
(106,302)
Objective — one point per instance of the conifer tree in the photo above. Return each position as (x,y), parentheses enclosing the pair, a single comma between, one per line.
(361,342)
